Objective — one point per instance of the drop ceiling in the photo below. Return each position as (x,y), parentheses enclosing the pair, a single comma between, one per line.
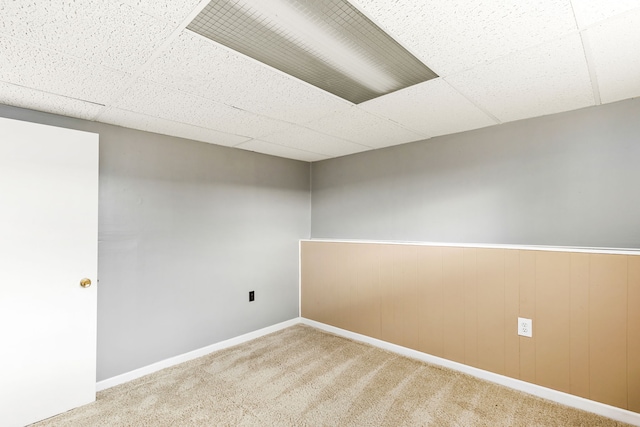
(133,63)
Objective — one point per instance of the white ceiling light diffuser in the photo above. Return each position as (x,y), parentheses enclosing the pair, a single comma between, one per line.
(328,43)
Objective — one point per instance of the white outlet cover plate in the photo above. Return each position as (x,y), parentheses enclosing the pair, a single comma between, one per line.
(525,327)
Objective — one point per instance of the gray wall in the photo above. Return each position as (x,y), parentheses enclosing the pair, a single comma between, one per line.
(570,179)
(186,230)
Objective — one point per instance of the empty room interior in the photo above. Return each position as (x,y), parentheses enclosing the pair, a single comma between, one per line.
(335,212)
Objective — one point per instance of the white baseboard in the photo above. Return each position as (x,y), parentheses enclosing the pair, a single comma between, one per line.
(608,411)
(154,367)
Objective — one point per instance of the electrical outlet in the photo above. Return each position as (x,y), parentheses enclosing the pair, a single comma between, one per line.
(525,327)
(252,296)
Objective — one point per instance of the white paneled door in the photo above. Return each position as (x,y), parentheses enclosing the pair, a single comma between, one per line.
(48,245)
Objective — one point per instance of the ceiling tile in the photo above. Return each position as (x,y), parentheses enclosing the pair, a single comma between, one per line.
(358,126)
(543,80)
(199,66)
(589,12)
(167,10)
(23,97)
(432,108)
(159,101)
(133,120)
(315,142)
(108,33)
(281,151)
(614,47)
(499,61)
(454,35)
(26,65)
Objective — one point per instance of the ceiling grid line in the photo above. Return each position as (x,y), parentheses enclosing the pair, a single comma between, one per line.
(471,100)
(176,32)
(511,54)
(280,145)
(588,58)
(397,123)
(591,67)
(217,103)
(56,94)
(551,77)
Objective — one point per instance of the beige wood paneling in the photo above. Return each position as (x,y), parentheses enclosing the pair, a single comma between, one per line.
(608,329)
(579,339)
(527,310)
(462,304)
(552,326)
(387,293)
(431,300)
(491,314)
(453,307)
(511,311)
(633,334)
(346,286)
(316,297)
(399,283)
(367,264)
(470,261)
(335,258)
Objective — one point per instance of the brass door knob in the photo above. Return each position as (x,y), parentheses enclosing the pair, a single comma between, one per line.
(85,283)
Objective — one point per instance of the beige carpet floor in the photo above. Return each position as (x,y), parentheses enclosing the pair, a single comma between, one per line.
(301,376)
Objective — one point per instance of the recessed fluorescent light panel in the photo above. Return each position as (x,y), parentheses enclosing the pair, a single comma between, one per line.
(327,43)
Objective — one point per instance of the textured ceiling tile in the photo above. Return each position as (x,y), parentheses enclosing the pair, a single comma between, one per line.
(162,102)
(133,120)
(315,142)
(30,66)
(543,80)
(614,47)
(363,128)
(454,35)
(196,65)
(281,151)
(432,108)
(589,12)
(168,10)
(24,97)
(108,33)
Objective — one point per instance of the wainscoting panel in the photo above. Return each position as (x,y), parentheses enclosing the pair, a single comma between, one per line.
(462,304)
(511,303)
(453,304)
(527,309)
(608,329)
(552,320)
(429,298)
(633,334)
(579,338)
(470,314)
